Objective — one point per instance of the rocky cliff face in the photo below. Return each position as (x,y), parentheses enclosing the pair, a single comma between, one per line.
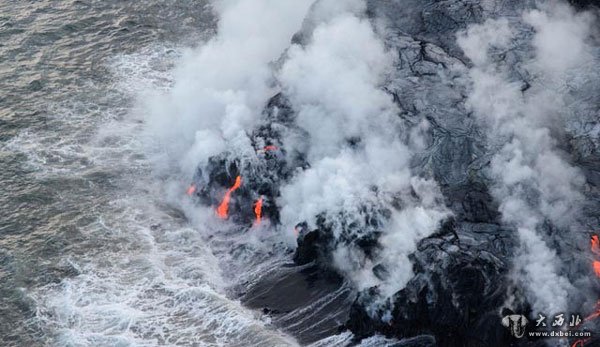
(464,273)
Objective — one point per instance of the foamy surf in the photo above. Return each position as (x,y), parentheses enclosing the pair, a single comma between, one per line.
(145,275)
(158,284)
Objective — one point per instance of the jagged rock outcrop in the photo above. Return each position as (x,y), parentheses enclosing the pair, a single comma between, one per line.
(455,296)
(261,172)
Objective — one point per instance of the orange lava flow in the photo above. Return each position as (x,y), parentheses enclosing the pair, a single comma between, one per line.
(594,315)
(268,148)
(223,209)
(258,210)
(579,343)
(191,190)
(595,241)
(596,244)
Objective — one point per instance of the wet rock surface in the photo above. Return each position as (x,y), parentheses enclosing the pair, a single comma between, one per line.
(283,294)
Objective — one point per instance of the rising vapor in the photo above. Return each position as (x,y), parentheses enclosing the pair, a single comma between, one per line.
(357,151)
(323,119)
(532,178)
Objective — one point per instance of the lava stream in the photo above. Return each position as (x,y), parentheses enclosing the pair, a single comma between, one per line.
(267,149)
(191,189)
(596,244)
(258,210)
(223,209)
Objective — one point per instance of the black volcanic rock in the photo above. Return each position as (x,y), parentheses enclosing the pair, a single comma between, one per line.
(459,284)
(417,341)
(585,3)
(461,272)
(472,203)
(310,247)
(317,245)
(262,173)
(284,295)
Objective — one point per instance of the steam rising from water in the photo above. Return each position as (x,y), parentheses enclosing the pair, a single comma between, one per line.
(335,85)
(533,180)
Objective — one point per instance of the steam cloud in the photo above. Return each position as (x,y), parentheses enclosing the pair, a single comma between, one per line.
(359,161)
(355,143)
(533,180)
(221,88)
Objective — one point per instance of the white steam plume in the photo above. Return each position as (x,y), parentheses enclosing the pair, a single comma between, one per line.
(335,86)
(532,180)
(221,88)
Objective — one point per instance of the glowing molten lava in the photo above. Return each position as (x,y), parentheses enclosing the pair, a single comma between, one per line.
(268,148)
(579,343)
(258,210)
(595,241)
(594,315)
(596,249)
(596,244)
(223,209)
(191,190)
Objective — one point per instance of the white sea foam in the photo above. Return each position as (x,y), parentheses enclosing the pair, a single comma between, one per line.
(146,274)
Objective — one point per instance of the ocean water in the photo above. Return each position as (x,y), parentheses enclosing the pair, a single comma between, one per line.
(90,255)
